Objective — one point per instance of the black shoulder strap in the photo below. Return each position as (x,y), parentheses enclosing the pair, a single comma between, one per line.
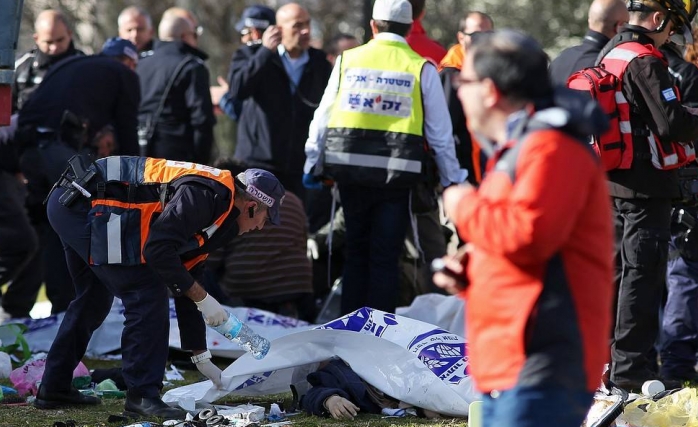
(161,105)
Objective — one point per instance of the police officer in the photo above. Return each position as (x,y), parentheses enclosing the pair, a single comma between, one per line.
(78,98)
(642,194)
(371,129)
(182,212)
(176,112)
(606,18)
(678,343)
(136,26)
(54,42)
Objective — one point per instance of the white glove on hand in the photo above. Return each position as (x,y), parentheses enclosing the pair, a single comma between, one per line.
(340,407)
(210,371)
(213,312)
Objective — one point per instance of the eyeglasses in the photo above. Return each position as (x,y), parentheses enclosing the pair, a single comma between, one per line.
(457,81)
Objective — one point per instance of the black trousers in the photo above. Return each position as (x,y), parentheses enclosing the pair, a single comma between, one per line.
(145,338)
(17,238)
(643,230)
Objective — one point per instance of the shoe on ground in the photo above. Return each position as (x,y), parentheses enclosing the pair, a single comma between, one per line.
(679,381)
(151,407)
(56,399)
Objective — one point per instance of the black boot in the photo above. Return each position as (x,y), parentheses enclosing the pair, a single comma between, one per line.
(55,399)
(151,406)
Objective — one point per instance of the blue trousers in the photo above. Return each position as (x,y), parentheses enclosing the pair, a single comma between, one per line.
(538,406)
(679,329)
(376,224)
(144,341)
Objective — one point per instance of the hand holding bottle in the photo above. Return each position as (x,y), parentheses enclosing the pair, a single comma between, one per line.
(213,312)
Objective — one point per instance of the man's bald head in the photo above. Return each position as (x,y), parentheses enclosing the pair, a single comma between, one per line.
(51,32)
(607,16)
(175,28)
(294,22)
(182,13)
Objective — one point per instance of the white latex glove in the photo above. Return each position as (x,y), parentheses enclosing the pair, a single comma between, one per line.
(313,252)
(340,407)
(213,312)
(210,371)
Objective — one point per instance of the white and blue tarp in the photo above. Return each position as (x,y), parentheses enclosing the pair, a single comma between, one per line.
(410,360)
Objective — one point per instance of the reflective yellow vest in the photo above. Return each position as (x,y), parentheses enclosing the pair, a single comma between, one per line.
(375,134)
(132,194)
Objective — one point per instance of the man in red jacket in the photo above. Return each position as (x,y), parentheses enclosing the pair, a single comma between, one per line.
(540,241)
(418,39)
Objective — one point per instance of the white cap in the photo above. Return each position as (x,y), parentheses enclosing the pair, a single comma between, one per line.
(393,10)
(652,387)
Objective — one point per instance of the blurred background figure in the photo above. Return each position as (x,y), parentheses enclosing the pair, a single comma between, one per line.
(54,42)
(136,25)
(339,44)
(176,113)
(606,18)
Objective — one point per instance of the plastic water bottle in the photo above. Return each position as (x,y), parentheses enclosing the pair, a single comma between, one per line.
(240,333)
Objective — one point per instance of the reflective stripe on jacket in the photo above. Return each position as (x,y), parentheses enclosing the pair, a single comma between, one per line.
(132,193)
(376,128)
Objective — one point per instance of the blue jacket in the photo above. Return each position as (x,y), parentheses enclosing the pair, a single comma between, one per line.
(336,378)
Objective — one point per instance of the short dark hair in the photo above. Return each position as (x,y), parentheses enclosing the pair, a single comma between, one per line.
(393,27)
(515,62)
(333,47)
(417,7)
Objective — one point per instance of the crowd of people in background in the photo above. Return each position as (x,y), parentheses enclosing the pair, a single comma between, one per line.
(392,142)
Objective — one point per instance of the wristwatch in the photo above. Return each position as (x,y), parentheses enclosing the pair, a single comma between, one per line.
(201,357)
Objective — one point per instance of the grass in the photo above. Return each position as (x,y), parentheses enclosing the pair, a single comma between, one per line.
(28,416)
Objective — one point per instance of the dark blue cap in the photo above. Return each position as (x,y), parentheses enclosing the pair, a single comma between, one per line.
(266,188)
(116,46)
(256,16)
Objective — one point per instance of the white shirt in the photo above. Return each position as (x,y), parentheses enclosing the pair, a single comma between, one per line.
(437,121)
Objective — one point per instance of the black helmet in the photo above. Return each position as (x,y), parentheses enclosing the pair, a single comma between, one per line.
(681,13)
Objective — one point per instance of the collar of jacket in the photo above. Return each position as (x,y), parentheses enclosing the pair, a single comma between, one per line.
(179,46)
(595,38)
(43,61)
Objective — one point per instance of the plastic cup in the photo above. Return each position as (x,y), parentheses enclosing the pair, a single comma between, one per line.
(652,387)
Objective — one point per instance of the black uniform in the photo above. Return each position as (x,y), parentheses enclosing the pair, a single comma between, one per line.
(30,69)
(100,90)
(184,128)
(195,201)
(642,201)
(577,58)
(276,119)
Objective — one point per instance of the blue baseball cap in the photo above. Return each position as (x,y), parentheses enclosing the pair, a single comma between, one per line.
(256,16)
(116,46)
(263,186)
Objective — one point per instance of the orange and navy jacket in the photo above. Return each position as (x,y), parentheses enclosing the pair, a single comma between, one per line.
(541,270)
(138,214)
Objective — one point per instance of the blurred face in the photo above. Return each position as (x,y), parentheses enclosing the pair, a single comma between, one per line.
(473,24)
(52,38)
(295,30)
(250,35)
(135,28)
(621,18)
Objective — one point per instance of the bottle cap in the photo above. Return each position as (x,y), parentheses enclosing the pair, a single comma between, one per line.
(652,387)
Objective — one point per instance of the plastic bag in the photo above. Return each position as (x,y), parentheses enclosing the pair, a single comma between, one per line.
(679,409)
(5,365)
(25,378)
